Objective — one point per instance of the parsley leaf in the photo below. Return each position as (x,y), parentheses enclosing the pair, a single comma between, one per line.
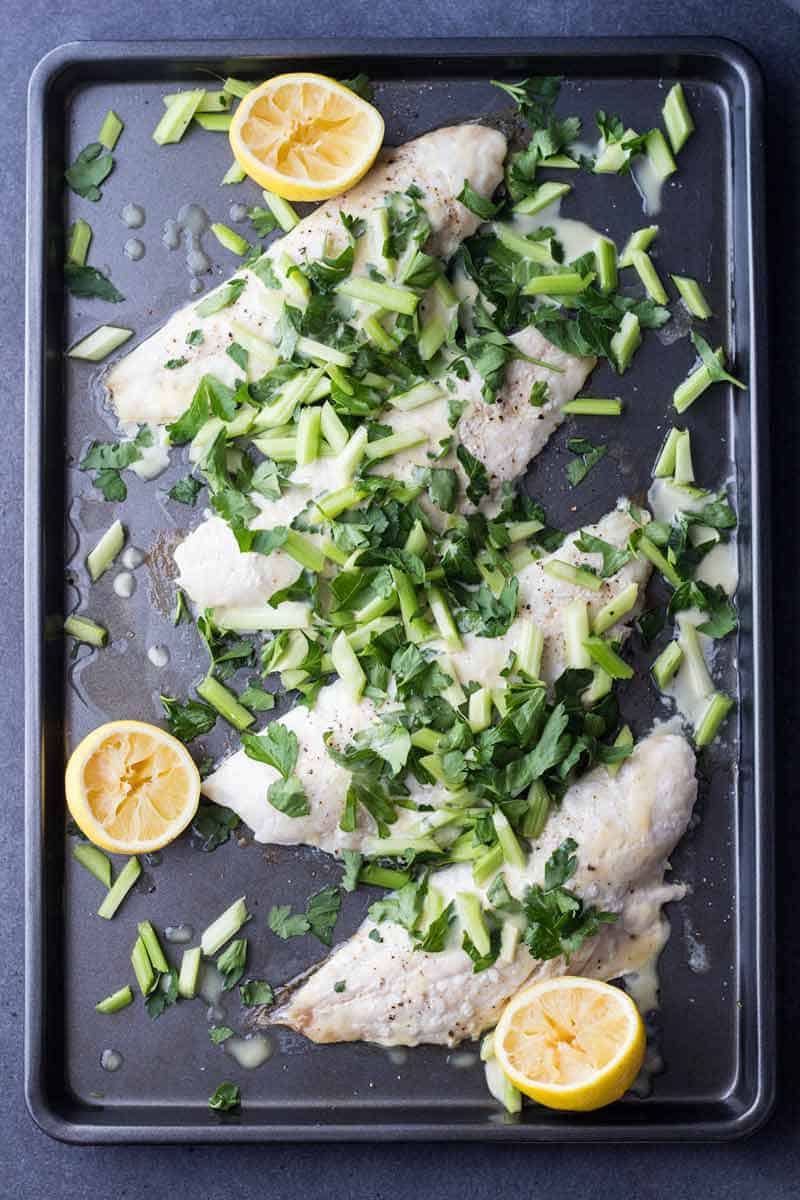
(172,364)
(435,937)
(488,615)
(219,1033)
(712,363)
(322,911)
(255,991)
(277,746)
(614,559)
(588,457)
(226,1097)
(189,720)
(476,203)
(163,996)
(539,394)
(481,962)
(263,220)
(92,165)
(230,963)
(286,924)
(288,797)
(548,751)
(195,337)
(256,699)
(214,824)
(558,923)
(478,479)
(715,601)
(340,985)
(89,283)
(352,865)
(403,907)
(228,294)
(186,490)
(361,85)
(238,354)
(441,484)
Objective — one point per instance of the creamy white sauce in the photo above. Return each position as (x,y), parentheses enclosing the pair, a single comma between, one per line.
(179,934)
(124,585)
(132,557)
(720,567)
(576,237)
(132,215)
(158,655)
(111,1060)
(249,1052)
(210,983)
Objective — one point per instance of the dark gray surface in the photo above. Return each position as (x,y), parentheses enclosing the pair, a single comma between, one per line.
(761,1166)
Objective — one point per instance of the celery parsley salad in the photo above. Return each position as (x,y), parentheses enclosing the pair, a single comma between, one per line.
(355,409)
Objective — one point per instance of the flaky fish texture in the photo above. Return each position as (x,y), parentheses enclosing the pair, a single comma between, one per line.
(625,826)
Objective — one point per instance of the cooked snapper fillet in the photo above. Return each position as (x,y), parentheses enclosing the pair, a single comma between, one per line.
(241,784)
(142,390)
(626,828)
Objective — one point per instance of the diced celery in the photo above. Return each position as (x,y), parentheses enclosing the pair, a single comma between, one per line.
(616,608)
(640,239)
(525,247)
(143,968)
(576,631)
(647,549)
(353,452)
(453,693)
(175,120)
(684,468)
(470,914)
(333,429)
(530,649)
(667,664)
(601,685)
(230,239)
(626,341)
(216,122)
(190,969)
(659,154)
(379,336)
(716,711)
(509,942)
(212,102)
(292,614)
(282,211)
(605,258)
(384,295)
(120,888)
(692,295)
(417,540)
(567,283)
(153,947)
(385,877)
(607,658)
(226,925)
(102,556)
(225,702)
(447,627)
(310,348)
(234,174)
(432,907)
(689,641)
(94,861)
(535,818)
(569,573)
(613,157)
(589,406)
(86,631)
(79,240)
(479,713)
(98,345)
(665,463)
(623,738)
(694,385)
(420,394)
(432,337)
(513,853)
(560,162)
(416,629)
(404,439)
(116,1001)
(237,87)
(348,668)
(110,130)
(643,265)
(484,867)
(677,117)
(308,431)
(331,505)
(541,197)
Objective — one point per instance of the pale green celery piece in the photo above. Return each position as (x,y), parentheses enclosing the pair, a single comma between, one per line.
(404,439)
(568,283)
(601,685)
(493,576)
(659,154)
(292,614)
(86,631)
(212,102)
(102,556)
(379,336)
(453,693)
(509,942)
(569,573)
(444,619)
(293,655)
(605,258)
(444,290)
(110,130)
(538,252)
(432,337)
(116,1001)
(590,406)
(153,947)
(230,239)
(416,629)
(216,122)
(234,174)
(689,641)
(120,888)
(432,907)
(643,265)
(538,809)
(142,967)
(385,877)
(348,668)
(304,551)
(623,738)
(282,211)
(80,237)
(490,861)
(99,344)
(677,117)
(384,295)
(667,664)
(513,853)
(626,341)
(684,467)
(708,727)
(353,452)
(479,714)
(520,557)
(334,503)
(95,862)
(560,162)
(332,551)
(417,396)
(308,432)
(541,197)
(692,295)
(612,158)
(576,631)
(310,348)
(226,925)
(417,540)
(640,239)
(337,376)
(470,914)
(520,531)
(487,1047)
(530,649)
(650,551)
(373,610)
(499,699)
(607,658)
(426,739)
(190,969)
(175,120)
(309,380)
(292,679)
(237,87)
(333,428)
(616,608)
(278,449)
(693,386)
(665,463)
(225,703)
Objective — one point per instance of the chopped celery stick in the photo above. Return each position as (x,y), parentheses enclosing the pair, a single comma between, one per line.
(588,406)
(487,1047)
(606,657)
(492,575)
(490,860)
(560,162)
(353,452)
(667,664)
(605,260)
(226,925)
(327,354)
(153,947)
(659,154)
(110,130)
(530,649)
(84,630)
(304,551)
(614,157)
(569,573)
(479,713)
(677,117)
(513,853)
(277,448)
(106,550)
(665,463)
(175,121)
(231,240)
(116,1001)
(444,290)
(432,337)
(432,907)
(640,239)
(444,619)
(694,385)
(718,708)
(348,668)
(520,557)
(568,283)
(333,429)
(544,194)
(282,211)
(100,344)
(643,265)
(337,375)
(454,693)
(421,393)
(142,967)
(373,610)
(225,702)
(292,614)
(385,447)
(379,336)
(650,551)
(576,631)
(190,969)
(212,102)
(601,685)
(695,659)
(384,295)
(526,248)
(234,174)
(626,341)
(417,540)
(519,531)
(535,818)
(384,877)
(623,738)
(684,467)
(426,739)
(416,629)
(692,296)
(213,122)
(334,503)
(237,87)
(308,429)
(94,861)
(80,237)
(509,941)
(616,608)
(332,551)
(470,914)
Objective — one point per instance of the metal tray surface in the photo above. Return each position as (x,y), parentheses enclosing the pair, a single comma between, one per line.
(715,1026)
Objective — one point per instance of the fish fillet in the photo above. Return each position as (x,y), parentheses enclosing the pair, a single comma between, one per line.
(241,784)
(141,388)
(626,828)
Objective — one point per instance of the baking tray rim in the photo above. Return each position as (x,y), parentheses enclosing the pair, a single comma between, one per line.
(184,54)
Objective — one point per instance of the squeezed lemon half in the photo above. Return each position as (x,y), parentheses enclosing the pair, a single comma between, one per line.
(571,1043)
(131,787)
(305,136)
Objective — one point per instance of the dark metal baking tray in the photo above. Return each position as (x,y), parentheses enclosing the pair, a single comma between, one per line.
(716,1027)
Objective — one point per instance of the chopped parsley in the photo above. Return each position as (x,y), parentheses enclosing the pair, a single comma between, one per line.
(189,719)
(587,457)
(90,284)
(231,962)
(225,1098)
(214,824)
(186,490)
(322,911)
(255,991)
(92,165)
(557,921)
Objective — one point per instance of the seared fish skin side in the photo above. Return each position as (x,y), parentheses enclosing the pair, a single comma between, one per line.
(626,828)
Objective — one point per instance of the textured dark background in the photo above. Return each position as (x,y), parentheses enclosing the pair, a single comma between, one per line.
(765,1166)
